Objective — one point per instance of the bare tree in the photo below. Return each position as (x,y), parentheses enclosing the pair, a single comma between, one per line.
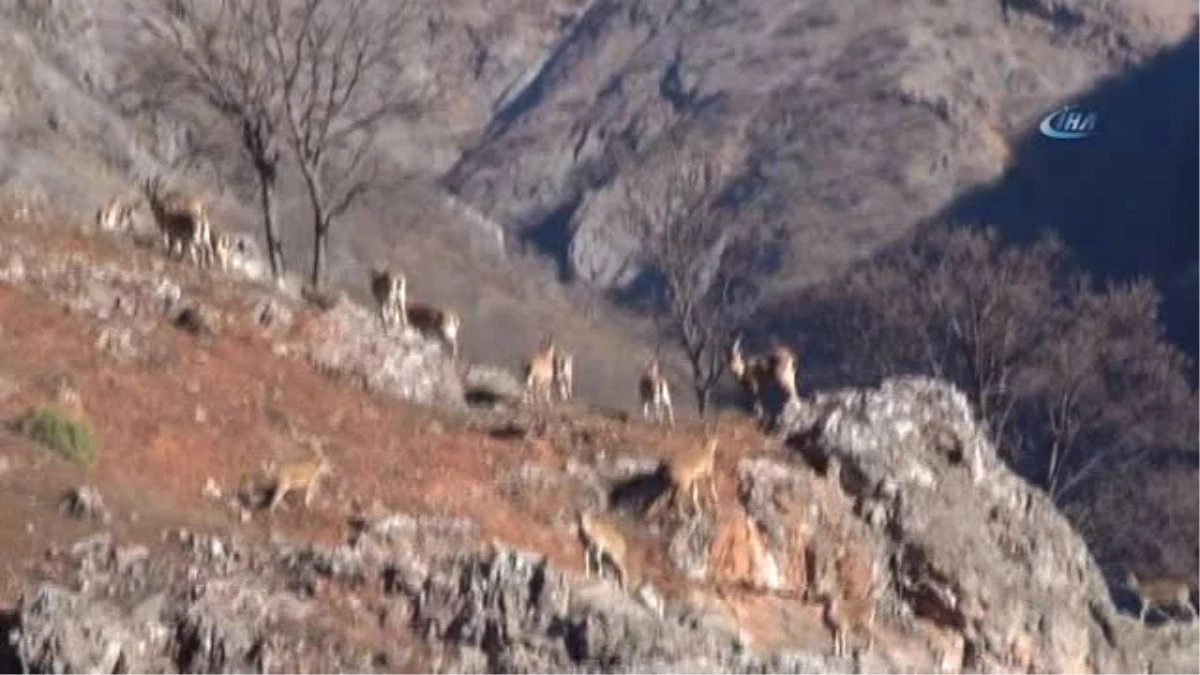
(709,287)
(1142,514)
(1069,378)
(217,52)
(338,68)
(1107,387)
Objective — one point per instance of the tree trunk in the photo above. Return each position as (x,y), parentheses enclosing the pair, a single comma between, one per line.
(703,396)
(320,256)
(266,191)
(316,199)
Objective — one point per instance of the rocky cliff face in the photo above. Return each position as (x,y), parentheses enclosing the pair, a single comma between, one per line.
(856,122)
(973,572)
(965,542)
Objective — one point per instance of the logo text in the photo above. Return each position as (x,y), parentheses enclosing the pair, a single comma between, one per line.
(1069,123)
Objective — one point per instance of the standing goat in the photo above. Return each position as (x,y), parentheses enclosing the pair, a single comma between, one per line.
(655,393)
(390,291)
(755,375)
(222,246)
(183,220)
(1159,592)
(540,371)
(564,375)
(443,323)
(844,616)
(686,469)
(602,539)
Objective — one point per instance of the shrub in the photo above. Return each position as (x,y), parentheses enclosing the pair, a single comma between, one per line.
(63,434)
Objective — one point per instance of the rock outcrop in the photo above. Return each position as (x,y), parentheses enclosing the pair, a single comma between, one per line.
(228,607)
(966,543)
(894,488)
(348,343)
(128,301)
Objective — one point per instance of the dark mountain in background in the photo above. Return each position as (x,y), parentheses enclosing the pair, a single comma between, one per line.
(1124,200)
(859,123)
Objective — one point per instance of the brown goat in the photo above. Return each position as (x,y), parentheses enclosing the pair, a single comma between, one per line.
(539,372)
(655,394)
(443,323)
(755,375)
(183,220)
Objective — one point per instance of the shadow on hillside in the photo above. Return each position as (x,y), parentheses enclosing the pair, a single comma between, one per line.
(9,661)
(1124,200)
(636,494)
(1127,603)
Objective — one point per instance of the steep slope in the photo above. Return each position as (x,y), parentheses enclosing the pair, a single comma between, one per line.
(75,129)
(858,121)
(444,540)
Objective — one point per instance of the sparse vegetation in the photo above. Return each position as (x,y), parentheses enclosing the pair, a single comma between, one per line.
(60,432)
(1073,379)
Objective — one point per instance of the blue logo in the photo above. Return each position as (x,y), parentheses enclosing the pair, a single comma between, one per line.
(1069,123)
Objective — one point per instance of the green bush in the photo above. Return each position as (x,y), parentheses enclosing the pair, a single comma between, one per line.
(58,431)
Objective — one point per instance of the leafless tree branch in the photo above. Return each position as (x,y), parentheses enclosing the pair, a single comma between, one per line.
(214,51)
(339,74)
(671,208)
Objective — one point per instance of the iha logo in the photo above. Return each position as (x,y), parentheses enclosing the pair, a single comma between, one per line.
(1069,123)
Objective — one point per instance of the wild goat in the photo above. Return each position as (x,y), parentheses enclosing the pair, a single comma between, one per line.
(390,290)
(221,246)
(1162,591)
(564,367)
(539,372)
(755,375)
(601,538)
(685,471)
(183,221)
(845,615)
(116,215)
(302,475)
(655,393)
(443,323)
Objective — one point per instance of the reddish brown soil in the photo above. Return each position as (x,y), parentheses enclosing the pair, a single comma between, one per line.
(155,456)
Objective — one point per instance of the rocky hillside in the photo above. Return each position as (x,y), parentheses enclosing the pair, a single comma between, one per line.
(445,540)
(77,126)
(857,121)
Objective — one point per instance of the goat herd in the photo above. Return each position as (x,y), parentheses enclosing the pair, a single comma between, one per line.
(187,232)
(183,221)
(549,372)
